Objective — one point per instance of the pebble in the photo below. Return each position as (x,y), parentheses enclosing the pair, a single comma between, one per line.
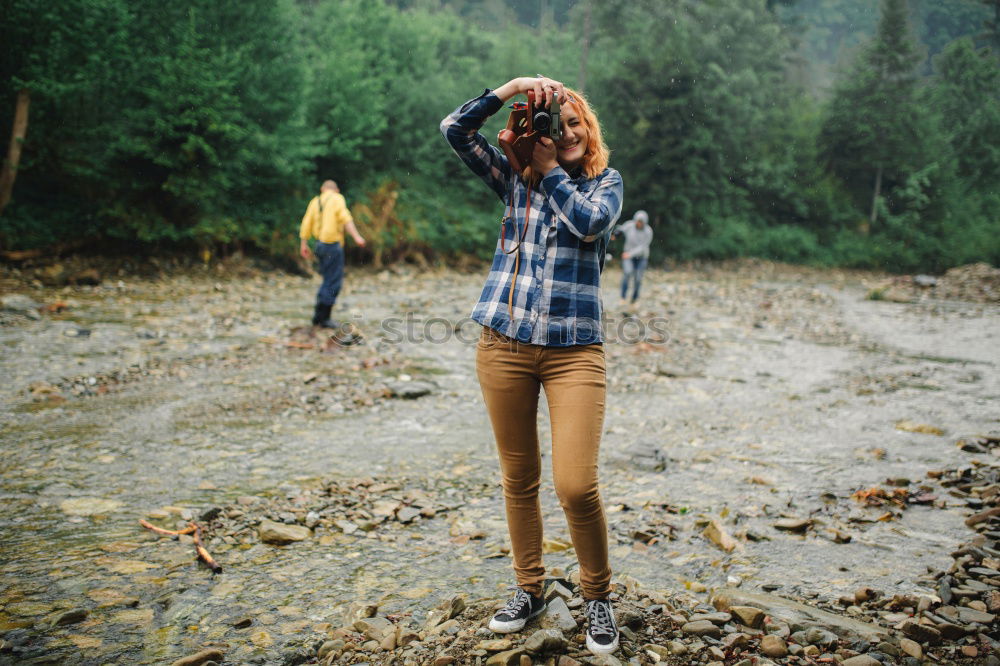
(715,618)
(773,646)
(973,615)
(373,627)
(861,660)
(748,616)
(821,637)
(702,628)
(279,533)
(497,645)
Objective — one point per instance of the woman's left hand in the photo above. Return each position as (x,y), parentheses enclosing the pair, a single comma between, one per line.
(543,159)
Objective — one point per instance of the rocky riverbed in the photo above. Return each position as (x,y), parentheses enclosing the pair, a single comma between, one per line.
(776,438)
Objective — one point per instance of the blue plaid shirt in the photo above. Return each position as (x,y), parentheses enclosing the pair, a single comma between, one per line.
(557,296)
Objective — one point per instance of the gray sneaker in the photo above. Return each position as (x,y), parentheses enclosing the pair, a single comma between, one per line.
(602,632)
(516,612)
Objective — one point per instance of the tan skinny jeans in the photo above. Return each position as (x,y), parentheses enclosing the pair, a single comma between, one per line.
(510,374)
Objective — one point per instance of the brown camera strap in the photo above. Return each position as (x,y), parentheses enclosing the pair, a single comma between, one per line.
(511,214)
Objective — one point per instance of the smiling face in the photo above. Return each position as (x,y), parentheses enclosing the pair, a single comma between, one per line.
(573,146)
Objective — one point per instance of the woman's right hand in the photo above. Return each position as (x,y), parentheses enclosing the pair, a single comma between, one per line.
(542,86)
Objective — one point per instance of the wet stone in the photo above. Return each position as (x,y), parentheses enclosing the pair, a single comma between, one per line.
(821,637)
(702,628)
(279,533)
(70,617)
(200,658)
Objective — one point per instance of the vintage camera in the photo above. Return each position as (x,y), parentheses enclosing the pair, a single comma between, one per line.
(525,126)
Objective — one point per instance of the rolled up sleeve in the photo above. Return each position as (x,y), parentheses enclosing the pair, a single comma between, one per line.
(461,129)
(585,216)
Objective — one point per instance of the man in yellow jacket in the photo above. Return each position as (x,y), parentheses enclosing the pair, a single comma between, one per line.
(325,220)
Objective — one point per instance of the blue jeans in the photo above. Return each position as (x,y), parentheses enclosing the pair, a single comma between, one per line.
(331,267)
(633,268)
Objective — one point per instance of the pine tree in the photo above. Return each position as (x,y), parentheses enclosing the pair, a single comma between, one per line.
(992,24)
(874,124)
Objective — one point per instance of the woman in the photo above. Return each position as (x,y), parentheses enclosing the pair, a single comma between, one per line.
(541,317)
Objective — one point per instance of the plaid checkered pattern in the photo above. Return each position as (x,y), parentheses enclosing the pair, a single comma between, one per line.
(557,297)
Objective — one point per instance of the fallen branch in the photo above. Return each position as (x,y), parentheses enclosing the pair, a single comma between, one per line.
(203,553)
(160,530)
(199,547)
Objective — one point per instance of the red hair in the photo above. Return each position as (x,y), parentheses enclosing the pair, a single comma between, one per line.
(596,153)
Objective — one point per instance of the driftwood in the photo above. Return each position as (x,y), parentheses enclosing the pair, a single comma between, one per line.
(205,556)
(159,530)
(199,547)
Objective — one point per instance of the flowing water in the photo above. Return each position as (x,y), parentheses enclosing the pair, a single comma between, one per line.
(775,393)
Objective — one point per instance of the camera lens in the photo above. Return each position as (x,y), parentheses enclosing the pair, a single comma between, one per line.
(541,122)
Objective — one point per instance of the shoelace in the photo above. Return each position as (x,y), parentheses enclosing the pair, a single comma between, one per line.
(599,617)
(516,603)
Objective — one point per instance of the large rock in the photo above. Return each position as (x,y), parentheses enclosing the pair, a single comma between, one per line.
(545,641)
(279,533)
(558,616)
(797,614)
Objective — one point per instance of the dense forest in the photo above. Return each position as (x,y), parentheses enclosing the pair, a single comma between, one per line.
(837,132)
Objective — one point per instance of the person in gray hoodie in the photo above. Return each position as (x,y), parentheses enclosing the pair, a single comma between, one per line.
(638,235)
